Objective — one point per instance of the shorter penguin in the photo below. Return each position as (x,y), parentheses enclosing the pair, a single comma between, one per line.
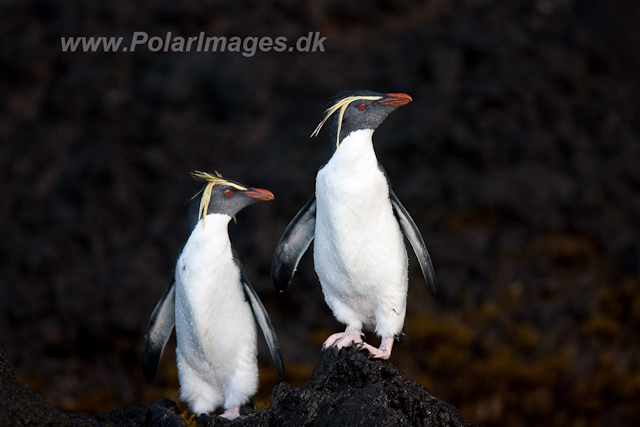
(212,305)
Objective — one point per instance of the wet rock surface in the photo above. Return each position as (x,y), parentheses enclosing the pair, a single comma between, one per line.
(346,389)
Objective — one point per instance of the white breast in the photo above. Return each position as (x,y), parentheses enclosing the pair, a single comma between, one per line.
(215,328)
(359,250)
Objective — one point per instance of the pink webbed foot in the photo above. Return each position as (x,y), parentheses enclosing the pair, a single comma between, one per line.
(231,413)
(383,352)
(344,339)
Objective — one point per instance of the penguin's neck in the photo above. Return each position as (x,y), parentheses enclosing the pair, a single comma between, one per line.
(212,225)
(356,151)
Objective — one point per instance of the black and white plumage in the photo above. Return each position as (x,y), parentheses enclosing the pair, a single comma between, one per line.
(212,305)
(358,225)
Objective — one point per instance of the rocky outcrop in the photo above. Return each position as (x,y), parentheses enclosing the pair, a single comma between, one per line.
(349,389)
(346,389)
(21,406)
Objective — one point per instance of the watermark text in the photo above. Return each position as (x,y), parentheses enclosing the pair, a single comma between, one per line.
(247,46)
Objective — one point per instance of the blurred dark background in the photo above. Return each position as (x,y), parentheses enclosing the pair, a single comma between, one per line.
(518,159)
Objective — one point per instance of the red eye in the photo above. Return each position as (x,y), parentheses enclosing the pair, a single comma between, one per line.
(362,107)
(228,193)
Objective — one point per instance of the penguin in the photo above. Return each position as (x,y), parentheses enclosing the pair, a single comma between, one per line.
(357,223)
(212,305)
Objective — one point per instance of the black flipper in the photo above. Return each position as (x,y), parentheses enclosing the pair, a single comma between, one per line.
(158,332)
(294,243)
(410,230)
(262,317)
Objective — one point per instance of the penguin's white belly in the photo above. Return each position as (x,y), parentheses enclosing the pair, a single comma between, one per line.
(359,251)
(215,329)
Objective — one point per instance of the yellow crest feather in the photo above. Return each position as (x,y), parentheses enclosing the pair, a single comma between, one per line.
(212,181)
(342,106)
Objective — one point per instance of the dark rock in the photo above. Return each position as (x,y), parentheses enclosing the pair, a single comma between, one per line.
(346,389)
(163,412)
(21,406)
(256,419)
(160,412)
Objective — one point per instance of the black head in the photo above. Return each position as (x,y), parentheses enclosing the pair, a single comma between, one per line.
(223,196)
(361,109)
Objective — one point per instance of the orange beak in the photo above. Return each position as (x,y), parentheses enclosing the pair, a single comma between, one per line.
(395,99)
(260,194)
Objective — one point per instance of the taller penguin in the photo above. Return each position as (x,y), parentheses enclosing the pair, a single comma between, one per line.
(212,305)
(357,223)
